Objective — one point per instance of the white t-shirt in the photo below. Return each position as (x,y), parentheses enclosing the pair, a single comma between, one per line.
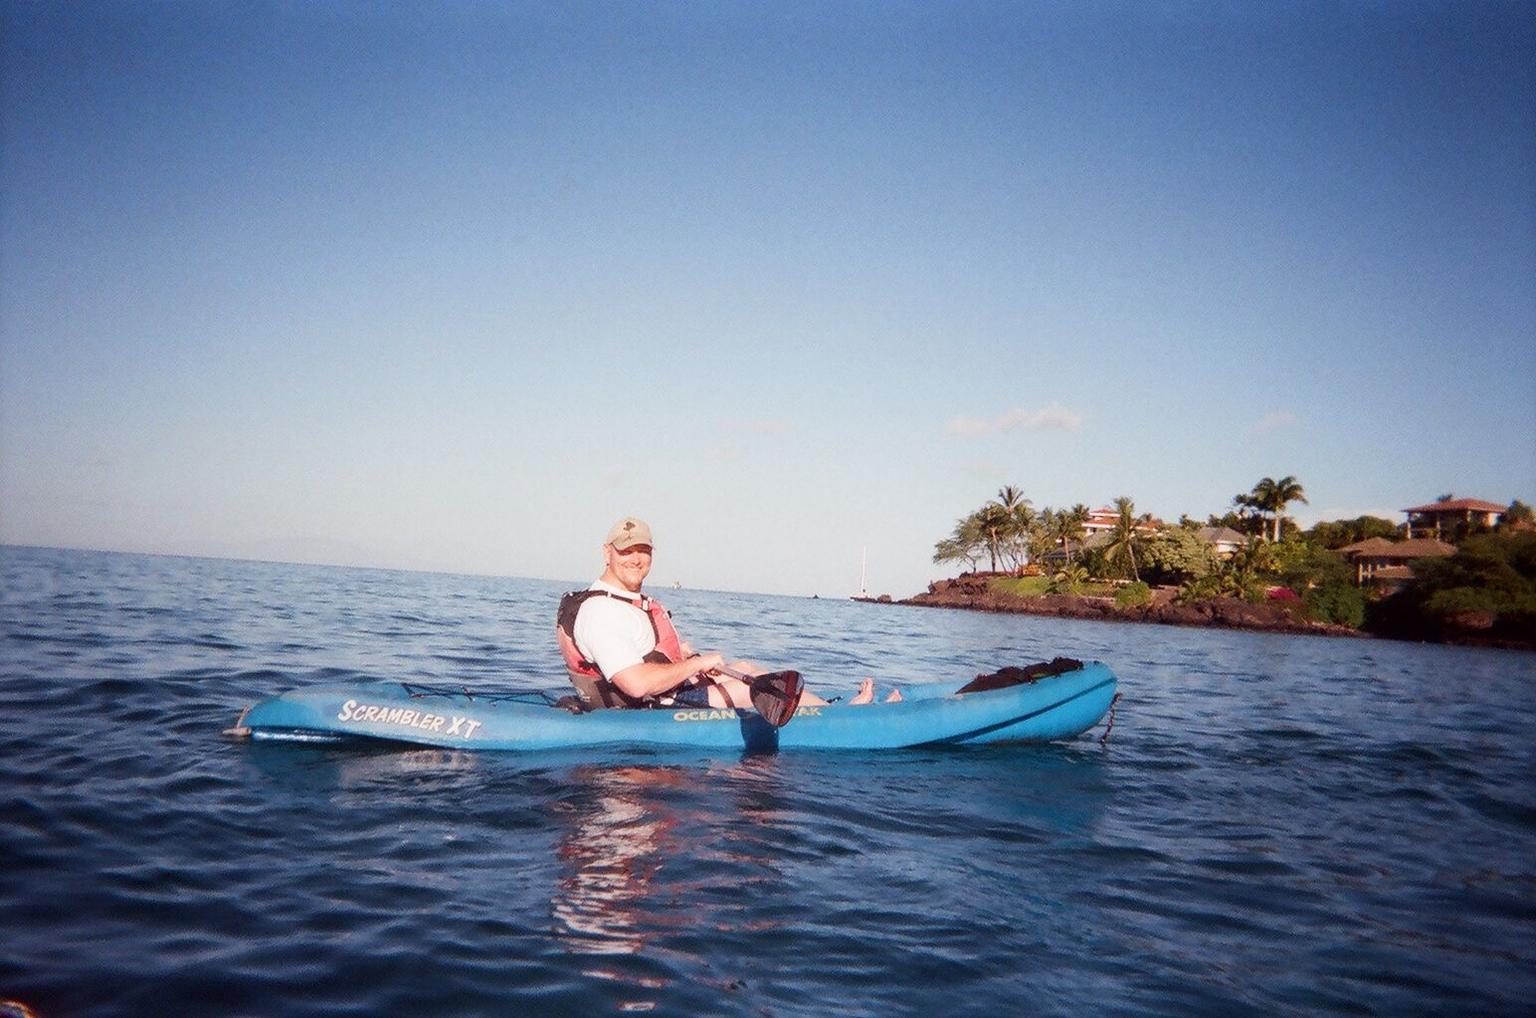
(614,635)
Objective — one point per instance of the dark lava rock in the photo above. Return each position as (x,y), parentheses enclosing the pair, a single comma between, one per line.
(974,591)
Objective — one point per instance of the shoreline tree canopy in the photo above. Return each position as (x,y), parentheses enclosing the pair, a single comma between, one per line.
(1488,585)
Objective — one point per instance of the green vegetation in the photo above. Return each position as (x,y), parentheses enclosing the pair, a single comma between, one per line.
(1022,586)
(1126,538)
(1245,575)
(1034,586)
(1338,533)
(1488,586)
(1341,604)
(1177,556)
(1519,516)
(1008,532)
(1133,594)
(1270,497)
(1000,530)
(1071,578)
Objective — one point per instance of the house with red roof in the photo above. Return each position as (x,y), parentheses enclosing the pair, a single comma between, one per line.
(1450,518)
(1104,520)
(1388,564)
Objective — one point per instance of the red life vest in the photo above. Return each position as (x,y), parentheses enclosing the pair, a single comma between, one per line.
(669,647)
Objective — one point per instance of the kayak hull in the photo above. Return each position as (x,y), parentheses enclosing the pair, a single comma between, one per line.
(1053,707)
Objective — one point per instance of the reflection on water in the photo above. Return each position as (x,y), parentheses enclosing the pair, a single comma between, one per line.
(615,844)
(654,862)
(349,767)
(357,770)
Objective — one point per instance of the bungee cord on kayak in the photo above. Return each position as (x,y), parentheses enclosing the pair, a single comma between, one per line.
(1109,724)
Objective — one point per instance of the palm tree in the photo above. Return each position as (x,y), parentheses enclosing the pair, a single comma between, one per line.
(966,544)
(1126,537)
(1049,531)
(1287,490)
(1242,576)
(1040,535)
(1272,496)
(1072,527)
(1025,532)
(1014,520)
(1249,518)
(956,549)
(994,522)
(1069,579)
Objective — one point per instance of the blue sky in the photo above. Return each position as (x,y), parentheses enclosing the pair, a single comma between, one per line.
(453,287)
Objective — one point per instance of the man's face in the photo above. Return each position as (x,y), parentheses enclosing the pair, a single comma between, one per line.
(630,566)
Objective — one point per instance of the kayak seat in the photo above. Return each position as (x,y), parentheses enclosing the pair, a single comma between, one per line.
(1014,676)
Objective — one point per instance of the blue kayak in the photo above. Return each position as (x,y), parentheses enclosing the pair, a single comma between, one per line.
(1056,706)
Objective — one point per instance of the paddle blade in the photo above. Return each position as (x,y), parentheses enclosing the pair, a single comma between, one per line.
(776,695)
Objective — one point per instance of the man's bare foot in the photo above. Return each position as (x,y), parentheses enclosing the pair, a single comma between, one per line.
(895,696)
(866,693)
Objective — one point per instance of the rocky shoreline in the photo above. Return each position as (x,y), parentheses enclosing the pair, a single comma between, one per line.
(972,591)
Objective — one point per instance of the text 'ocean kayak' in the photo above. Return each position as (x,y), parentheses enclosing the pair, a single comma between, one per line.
(1050,706)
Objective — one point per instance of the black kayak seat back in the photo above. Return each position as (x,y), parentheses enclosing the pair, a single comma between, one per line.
(1014,676)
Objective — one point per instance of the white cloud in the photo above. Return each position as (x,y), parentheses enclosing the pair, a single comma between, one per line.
(1052,417)
(1274,421)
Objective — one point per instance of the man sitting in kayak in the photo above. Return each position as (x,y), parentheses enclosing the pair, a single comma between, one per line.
(621,650)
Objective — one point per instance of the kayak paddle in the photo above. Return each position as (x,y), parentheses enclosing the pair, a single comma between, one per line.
(774,694)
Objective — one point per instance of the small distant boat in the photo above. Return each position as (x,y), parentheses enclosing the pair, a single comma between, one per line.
(863,594)
(1056,700)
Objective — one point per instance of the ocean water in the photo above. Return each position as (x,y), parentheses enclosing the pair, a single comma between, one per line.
(1276,824)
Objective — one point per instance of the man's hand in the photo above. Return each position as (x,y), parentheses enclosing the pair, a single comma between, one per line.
(648,679)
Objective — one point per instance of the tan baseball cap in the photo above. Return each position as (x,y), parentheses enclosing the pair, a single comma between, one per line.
(629,532)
